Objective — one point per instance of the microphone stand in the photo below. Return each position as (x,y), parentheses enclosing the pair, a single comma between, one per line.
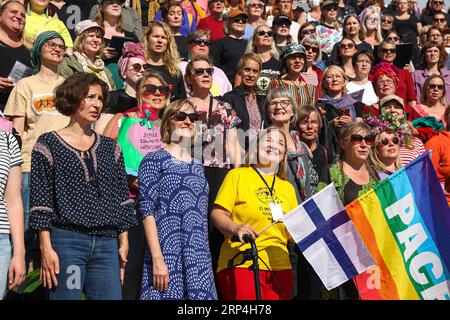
(249,254)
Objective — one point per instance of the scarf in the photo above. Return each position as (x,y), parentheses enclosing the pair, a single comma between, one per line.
(97,67)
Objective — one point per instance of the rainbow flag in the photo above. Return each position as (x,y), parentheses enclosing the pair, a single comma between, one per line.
(405,223)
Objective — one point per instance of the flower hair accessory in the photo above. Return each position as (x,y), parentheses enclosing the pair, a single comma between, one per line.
(388,121)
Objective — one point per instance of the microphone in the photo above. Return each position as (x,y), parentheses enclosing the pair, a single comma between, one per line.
(247,238)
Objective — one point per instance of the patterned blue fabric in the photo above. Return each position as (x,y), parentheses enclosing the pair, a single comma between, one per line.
(175,193)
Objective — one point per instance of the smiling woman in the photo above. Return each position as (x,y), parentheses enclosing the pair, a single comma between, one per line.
(12,50)
(87,48)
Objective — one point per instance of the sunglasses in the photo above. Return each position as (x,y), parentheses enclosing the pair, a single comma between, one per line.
(137,67)
(240,20)
(346,46)
(389,50)
(439,20)
(358,139)
(199,41)
(263,33)
(436,86)
(313,49)
(308,31)
(114,2)
(387,20)
(438,3)
(253,4)
(201,71)
(386,141)
(393,39)
(181,116)
(151,89)
(332,8)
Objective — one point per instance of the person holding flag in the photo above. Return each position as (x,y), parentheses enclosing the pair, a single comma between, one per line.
(250,199)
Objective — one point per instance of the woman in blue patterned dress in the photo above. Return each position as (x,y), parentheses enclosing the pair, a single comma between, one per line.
(173,197)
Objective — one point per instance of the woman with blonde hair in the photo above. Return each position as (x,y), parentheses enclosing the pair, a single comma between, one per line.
(87,49)
(163,57)
(263,45)
(249,200)
(173,193)
(313,73)
(371,26)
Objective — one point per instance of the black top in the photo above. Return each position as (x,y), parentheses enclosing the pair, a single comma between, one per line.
(72,12)
(85,192)
(407,29)
(236,98)
(120,101)
(177,82)
(271,70)
(226,53)
(127,34)
(321,157)
(9,56)
(182,47)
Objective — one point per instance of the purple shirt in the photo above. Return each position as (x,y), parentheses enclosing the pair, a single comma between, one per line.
(420,76)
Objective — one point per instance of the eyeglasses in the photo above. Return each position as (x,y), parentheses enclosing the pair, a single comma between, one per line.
(386,141)
(388,50)
(385,82)
(53,45)
(438,3)
(436,86)
(263,33)
(181,116)
(201,71)
(283,103)
(240,20)
(347,46)
(358,139)
(312,48)
(309,31)
(137,67)
(439,20)
(253,4)
(151,89)
(199,41)
(386,20)
(393,39)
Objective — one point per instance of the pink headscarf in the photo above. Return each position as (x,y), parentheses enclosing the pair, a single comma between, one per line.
(130,50)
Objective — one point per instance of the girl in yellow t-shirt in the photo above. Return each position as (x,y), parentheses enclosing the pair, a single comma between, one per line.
(249,200)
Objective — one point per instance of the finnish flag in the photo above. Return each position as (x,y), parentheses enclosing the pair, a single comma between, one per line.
(328,239)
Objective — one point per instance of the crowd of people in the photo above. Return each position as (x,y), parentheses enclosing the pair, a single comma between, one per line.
(142,143)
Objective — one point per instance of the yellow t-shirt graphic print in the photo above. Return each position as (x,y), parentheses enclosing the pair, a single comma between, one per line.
(246,196)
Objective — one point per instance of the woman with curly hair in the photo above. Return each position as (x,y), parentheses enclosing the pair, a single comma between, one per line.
(163,57)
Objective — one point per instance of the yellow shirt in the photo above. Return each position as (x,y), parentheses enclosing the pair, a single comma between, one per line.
(37,23)
(245,195)
(34,99)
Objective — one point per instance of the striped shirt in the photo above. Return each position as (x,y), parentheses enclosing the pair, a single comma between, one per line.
(306,94)
(9,157)
(408,155)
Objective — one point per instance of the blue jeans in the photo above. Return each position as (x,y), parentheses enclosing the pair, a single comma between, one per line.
(5,259)
(88,264)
